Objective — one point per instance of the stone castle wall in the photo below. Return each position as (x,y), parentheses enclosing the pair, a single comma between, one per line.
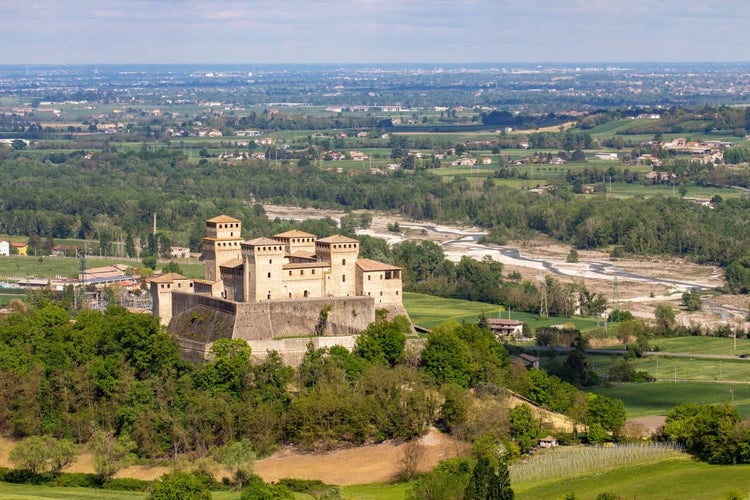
(198,320)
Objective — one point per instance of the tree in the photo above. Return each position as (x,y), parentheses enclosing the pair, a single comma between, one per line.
(110,453)
(607,412)
(456,406)
(577,369)
(572,256)
(383,341)
(481,477)
(665,318)
(445,357)
(710,432)
(239,458)
(179,486)
(229,367)
(30,455)
(691,299)
(149,261)
(130,246)
(18,144)
(38,454)
(172,267)
(500,488)
(524,429)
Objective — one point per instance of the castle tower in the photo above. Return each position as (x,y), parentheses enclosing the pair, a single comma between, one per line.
(161,294)
(341,253)
(221,244)
(263,259)
(297,243)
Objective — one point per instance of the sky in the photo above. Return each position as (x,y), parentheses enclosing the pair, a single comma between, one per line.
(372,31)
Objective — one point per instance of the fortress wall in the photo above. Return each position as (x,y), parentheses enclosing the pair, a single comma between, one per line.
(291,318)
(293,350)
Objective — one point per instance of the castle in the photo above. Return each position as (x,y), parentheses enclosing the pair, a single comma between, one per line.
(292,285)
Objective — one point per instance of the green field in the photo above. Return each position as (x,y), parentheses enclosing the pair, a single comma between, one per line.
(659,398)
(678,478)
(429,311)
(19,266)
(703,345)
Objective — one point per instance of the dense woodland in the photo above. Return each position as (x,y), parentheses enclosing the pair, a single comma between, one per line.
(120,373)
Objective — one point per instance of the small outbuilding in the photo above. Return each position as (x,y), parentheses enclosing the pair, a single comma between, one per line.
(548,442)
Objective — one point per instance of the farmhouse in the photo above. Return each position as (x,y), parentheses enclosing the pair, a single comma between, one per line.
(4,247)
(19,247)
(294,284)
(465,162)
(502,327)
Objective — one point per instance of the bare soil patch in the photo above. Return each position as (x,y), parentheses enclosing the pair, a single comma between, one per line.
(362,465)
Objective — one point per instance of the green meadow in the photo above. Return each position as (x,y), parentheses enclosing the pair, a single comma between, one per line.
(659,398)
(675,478)
(429,311)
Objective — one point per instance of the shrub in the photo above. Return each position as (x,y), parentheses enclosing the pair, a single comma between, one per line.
(179,486)
(127,484)
(302,485)
(76,480)
(258,490)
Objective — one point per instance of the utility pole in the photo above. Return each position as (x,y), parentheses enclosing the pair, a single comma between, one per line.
(543,309)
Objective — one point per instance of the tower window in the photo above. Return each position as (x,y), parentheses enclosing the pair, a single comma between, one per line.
(343,262)
(343,278)
(269,275)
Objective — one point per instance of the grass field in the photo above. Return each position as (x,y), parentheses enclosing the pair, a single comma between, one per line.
(10,491)
(19,266)
(674,478)
(659,398)
(375,491)
(703,345)
(429,311)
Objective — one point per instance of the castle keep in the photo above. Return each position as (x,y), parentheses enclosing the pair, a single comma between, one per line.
(291,285)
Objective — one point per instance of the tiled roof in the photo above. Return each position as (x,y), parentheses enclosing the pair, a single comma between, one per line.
(223,218)
(368,265)
(168,278)
(306,265)
(261,241)
(337,238)
(294,233)
(234,263)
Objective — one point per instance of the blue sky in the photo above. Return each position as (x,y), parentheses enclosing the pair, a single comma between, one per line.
(372,31)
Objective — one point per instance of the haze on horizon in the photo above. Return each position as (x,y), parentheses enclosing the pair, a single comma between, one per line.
(372,31)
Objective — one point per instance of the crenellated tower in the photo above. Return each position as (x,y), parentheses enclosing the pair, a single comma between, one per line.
(341,253)
(221,244)
(263,259)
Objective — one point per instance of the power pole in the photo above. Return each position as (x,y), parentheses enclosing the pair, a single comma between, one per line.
(616,297)
(543,309)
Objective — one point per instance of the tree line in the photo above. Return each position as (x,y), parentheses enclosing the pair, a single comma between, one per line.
(114,194)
